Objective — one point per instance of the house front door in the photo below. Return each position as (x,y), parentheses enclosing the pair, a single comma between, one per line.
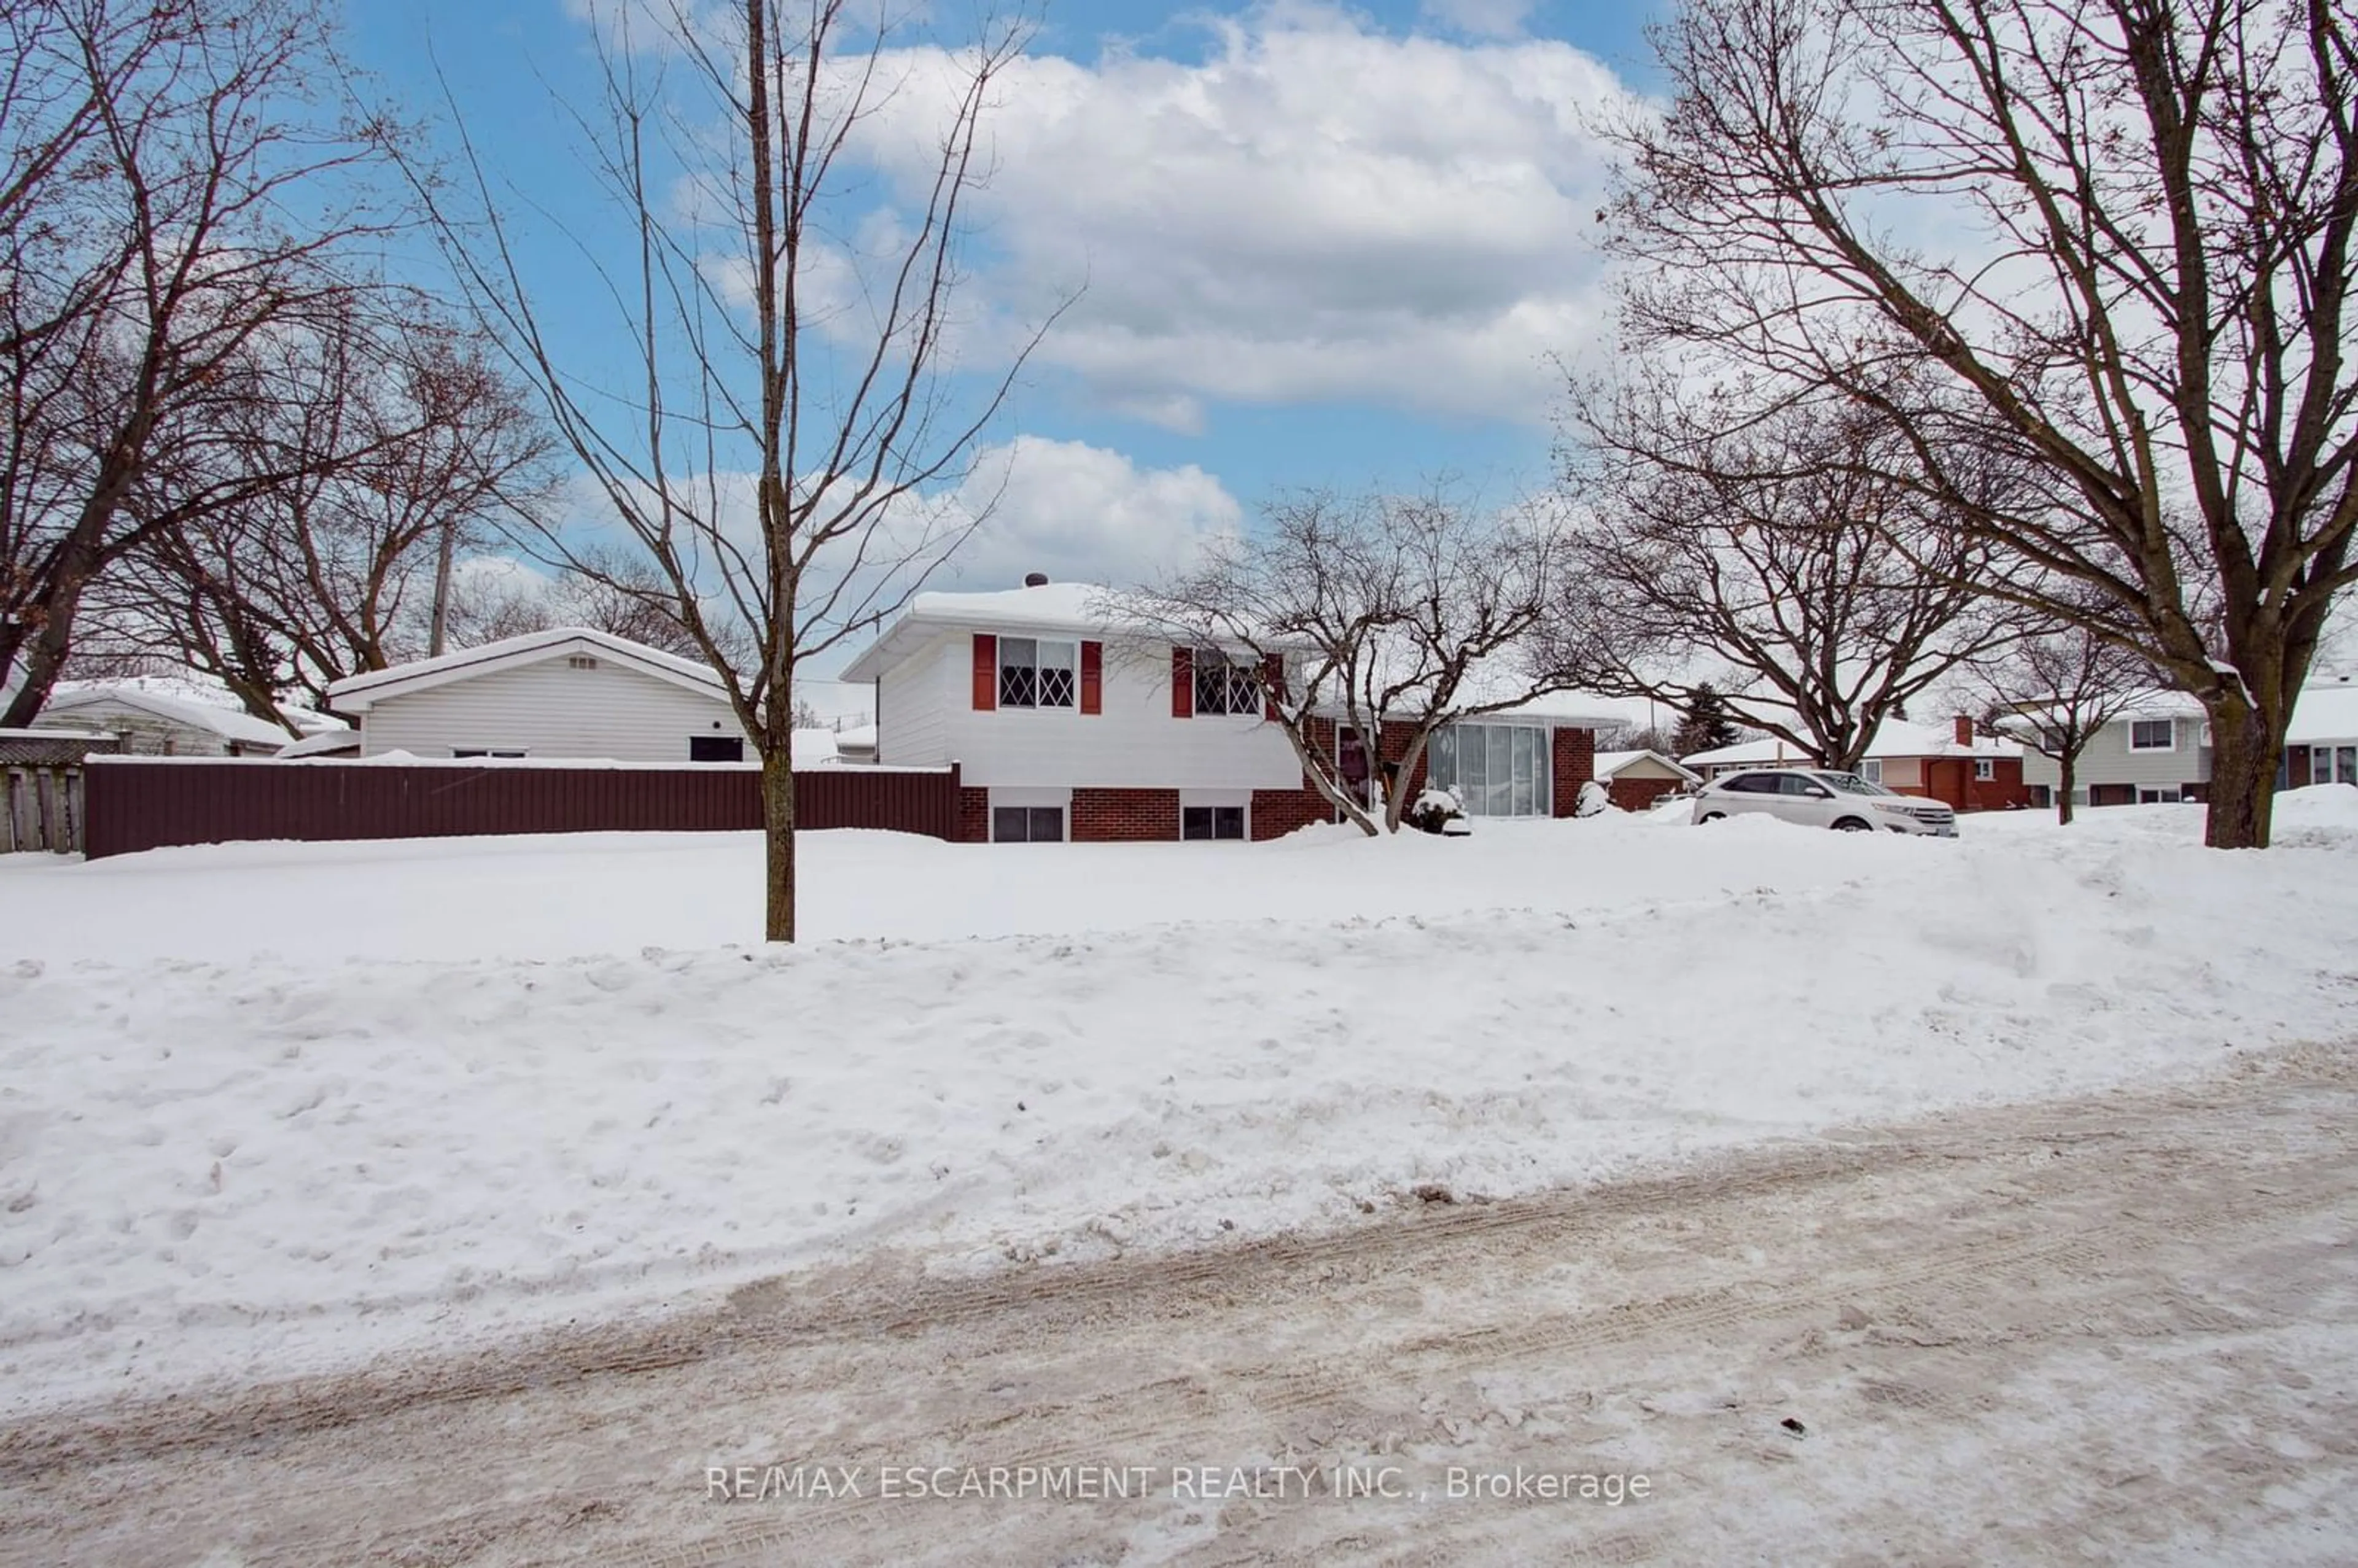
(1352,763)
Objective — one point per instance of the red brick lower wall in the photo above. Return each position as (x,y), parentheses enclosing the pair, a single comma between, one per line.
(1573,763)
(1277,812)
(1105,816)
(974,816)
(1640,795)
(1951,780)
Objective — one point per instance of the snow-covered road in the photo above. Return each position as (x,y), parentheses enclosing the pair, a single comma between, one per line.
(2105,1330)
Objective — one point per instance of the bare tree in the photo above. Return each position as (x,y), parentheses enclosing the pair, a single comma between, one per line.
(150,244)
(1384,618)
(2114,236)
(792,411)
(398,443)
(2055,690)
(1770,566)
(493,596)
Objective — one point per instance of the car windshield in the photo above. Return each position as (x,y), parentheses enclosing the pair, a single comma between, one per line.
(1851,783)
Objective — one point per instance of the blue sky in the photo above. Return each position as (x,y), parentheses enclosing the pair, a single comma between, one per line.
(1321,245)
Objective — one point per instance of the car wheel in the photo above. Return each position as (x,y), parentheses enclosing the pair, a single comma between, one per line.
(1852,825)
(1713,816)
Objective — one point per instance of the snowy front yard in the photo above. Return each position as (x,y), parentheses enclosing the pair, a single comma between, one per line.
(268,1108)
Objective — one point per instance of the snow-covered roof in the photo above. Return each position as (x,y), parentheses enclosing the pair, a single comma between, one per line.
(812,748)
(321,743)
(2157,702)
(1569,710)
(358,692)
(1083,608)
(233,724)
(1078,608)
(1894,737)
(2327,710)
(1609,763)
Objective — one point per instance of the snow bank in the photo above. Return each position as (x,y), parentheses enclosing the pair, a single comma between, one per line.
(217,1164)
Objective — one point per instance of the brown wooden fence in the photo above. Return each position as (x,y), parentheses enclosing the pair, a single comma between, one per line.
(152,803)
(40,788)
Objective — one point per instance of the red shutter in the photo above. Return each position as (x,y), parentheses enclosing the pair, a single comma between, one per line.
(1182,683)
(1272,681)
(1093,677)
(986,671)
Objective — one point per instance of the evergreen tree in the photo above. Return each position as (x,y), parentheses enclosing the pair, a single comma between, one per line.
(1706,727)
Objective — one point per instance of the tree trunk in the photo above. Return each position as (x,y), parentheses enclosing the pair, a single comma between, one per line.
(778,842)
(46,660)
(2068,766)
(2246,750)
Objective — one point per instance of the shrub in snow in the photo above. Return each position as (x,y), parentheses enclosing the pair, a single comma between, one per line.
(1434,810)
(1593,798)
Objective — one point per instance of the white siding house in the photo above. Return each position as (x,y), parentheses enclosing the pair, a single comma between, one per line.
(1061,726)
(567,693)
(1066,723)
(2158,750)
(2321,741)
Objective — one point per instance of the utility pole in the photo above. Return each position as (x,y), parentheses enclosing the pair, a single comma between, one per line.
(438,627)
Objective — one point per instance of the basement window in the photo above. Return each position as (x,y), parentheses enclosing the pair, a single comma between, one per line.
(1027,825)
(1212,822)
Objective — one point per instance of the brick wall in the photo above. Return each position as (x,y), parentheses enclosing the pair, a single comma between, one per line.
(1277,812)
(1101,816)
(1574,763)
(1640,795)
(974,816)
(1951,780)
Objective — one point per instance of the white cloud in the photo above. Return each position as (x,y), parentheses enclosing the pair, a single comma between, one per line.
(1316,209)
(1076,512)
(1083,513)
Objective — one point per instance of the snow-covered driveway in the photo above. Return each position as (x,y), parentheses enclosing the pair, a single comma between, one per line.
(216,1164)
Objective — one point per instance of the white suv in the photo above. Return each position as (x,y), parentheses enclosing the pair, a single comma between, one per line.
(1815,797)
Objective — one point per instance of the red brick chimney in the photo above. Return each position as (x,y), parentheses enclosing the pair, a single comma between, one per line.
(1965,731)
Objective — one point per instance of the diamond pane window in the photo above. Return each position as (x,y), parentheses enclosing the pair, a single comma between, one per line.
(1056,682)
(1019,672)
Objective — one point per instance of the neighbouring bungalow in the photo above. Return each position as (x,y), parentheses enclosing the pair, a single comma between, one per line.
(160,717)
(1636,780)
(1070,725)
(1969,772)
(569,692)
